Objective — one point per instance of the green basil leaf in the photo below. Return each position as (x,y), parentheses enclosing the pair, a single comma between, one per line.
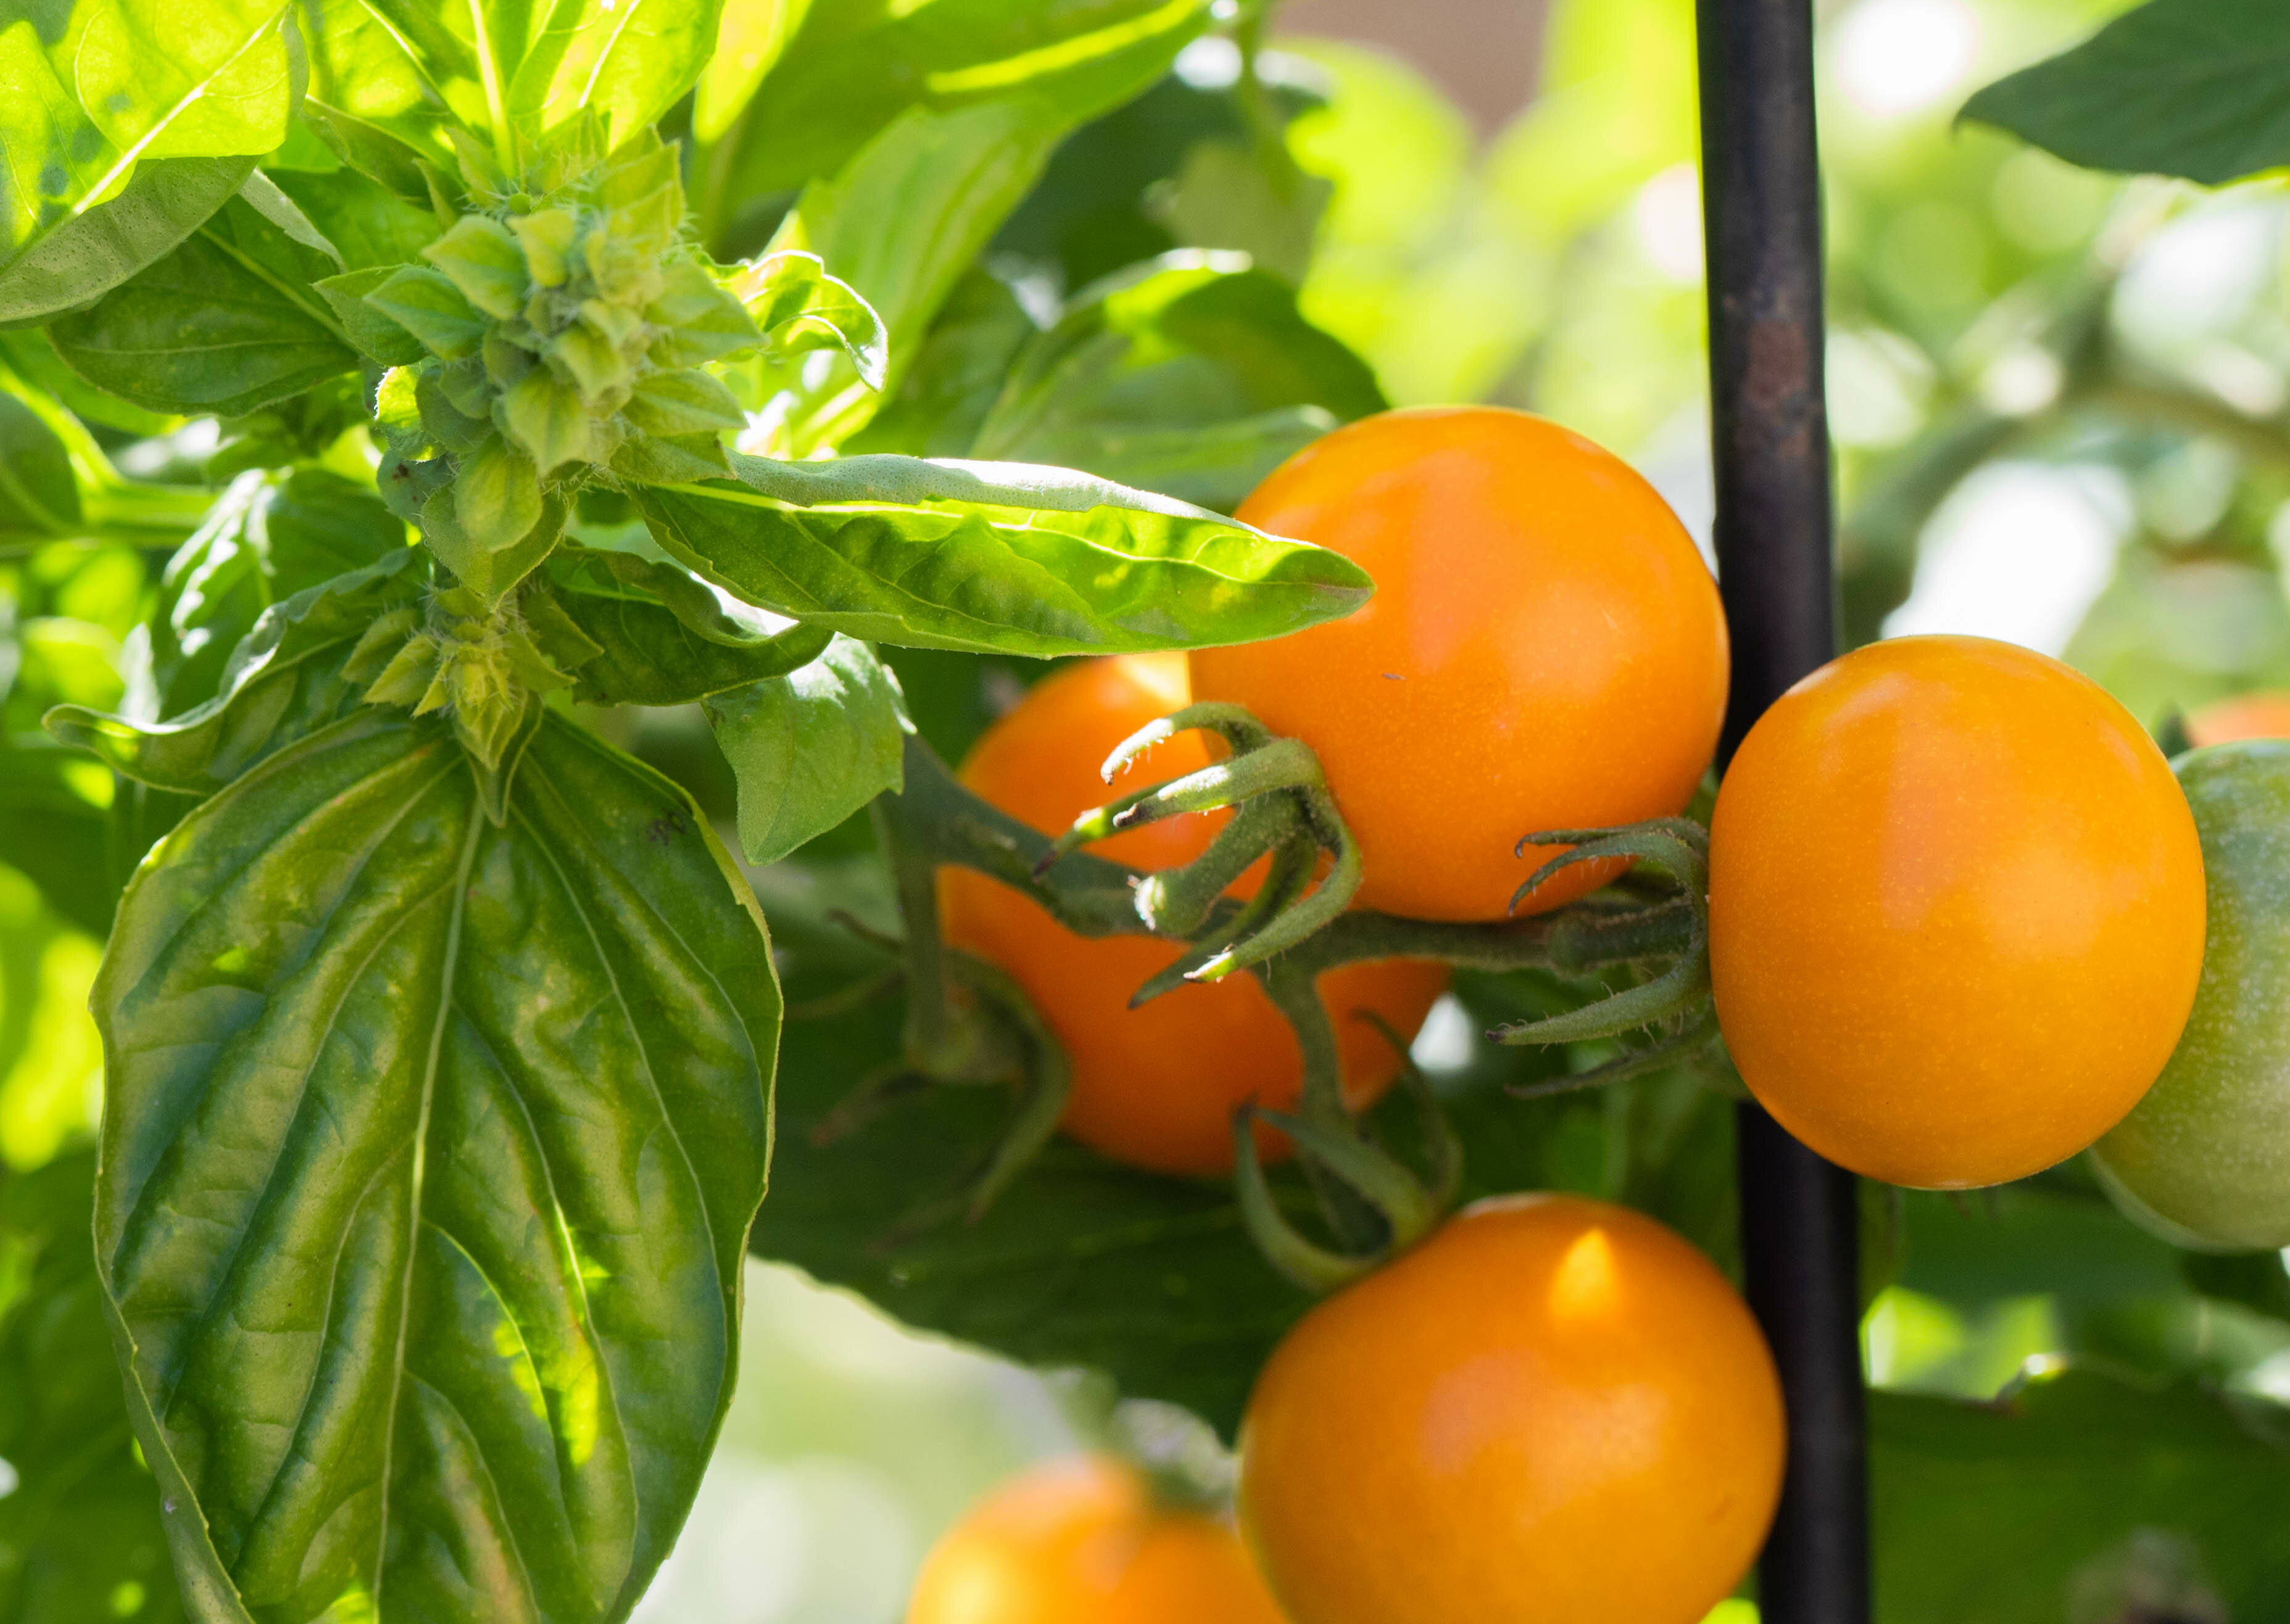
(389,80)
(271,535)
(634,632)
(31,355)
(285,681)
(749,40)
(2197,88)
(812,748)
(626,64)
(368,224)
(39,494)
(799,307)
(843,79)
(226,323)
(99,92)
(1192,375)
(374,333)
(82,1540)
(954,375)
(993,557)
(474,1119)
(81,257)
(900,223)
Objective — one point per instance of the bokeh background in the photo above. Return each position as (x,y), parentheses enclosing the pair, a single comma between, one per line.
(2058,404)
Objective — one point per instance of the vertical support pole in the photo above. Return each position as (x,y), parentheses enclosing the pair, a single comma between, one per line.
(1761,201)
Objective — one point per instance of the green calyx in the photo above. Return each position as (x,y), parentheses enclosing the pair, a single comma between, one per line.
(473,662)
(555,335)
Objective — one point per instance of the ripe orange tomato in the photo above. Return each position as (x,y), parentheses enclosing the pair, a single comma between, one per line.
(2246,716)
(1544,650)
(1154,1086)
(1956,911)
(1081,1542)
(1554,1411)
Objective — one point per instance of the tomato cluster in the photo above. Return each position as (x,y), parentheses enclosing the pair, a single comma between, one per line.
(1957,918)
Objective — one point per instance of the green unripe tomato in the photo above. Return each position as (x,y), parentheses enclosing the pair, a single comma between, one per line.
(2203,1160)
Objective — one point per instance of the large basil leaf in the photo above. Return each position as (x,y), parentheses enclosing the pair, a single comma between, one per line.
(2198,88)
(273,533)
(627,63)
(388,81)
(993,557)
(81,1535)
(634,632)
(285,680)
(126,123)
(2080,1496)
(1192,375)
(226,323)
(750,39)
(852,69)
(430,1153)
(812,748)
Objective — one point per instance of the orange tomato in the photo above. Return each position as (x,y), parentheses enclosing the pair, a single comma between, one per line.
(1553,1412)
(1081,1542)
(1153,1086)
(1956,911)
(2246,716)
(1544,650)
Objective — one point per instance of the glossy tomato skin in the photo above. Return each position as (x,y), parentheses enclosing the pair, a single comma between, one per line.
(1080,1541)
(1544,650)
(1154,1086)
(1554,1411)
(1956,911)
(2203,1160)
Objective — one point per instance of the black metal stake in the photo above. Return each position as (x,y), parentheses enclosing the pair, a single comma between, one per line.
(1761,206)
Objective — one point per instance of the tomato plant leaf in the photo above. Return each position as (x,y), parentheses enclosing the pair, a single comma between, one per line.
(127,122)
(992,557)
(1192,375)
(285,680)
(2197,88)
(473,1120)
(2080,1488)
(226,323)
(82,1530)
(1081,1260)
(634,632)
(812,748)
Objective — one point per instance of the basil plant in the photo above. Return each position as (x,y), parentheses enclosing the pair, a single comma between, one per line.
(438,1032)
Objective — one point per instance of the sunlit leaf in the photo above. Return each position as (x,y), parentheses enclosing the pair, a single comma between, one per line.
(810,748)
(992,556)
(474,1124)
